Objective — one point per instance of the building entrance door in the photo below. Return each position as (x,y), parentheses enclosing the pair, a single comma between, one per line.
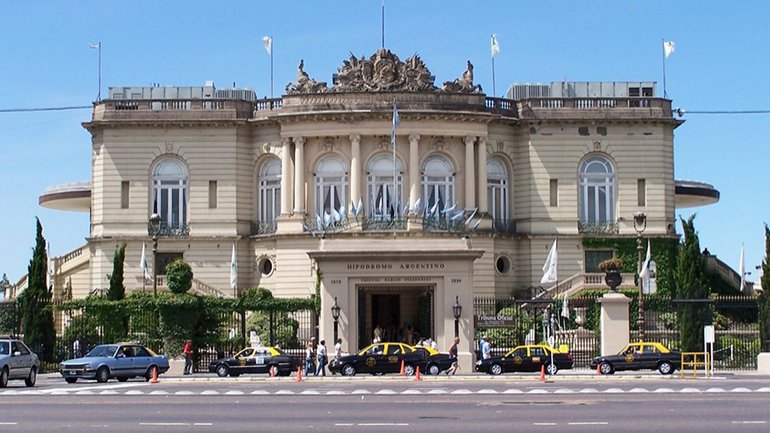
(395,314)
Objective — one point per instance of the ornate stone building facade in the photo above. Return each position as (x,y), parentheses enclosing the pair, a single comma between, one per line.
(462,196)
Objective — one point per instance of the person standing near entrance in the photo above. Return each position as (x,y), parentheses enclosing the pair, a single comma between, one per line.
(321,355)
(338,349)
(453,355)
(486,348)
(309,365)
(188,354)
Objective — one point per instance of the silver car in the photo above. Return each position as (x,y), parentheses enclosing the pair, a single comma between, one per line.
(17,362)
(121,361)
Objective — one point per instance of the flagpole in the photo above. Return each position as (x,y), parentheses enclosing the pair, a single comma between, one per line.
(271,67)
(494,92)
(394,145)
(99,95)
(663,47)
(382,30)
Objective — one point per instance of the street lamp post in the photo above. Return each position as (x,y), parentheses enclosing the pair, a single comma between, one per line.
(155,231)
(457,311)
(640,223)
(336,317)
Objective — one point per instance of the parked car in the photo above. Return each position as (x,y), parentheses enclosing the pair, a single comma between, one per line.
(529,357)
(382,358)
(640,356)
(122,361)
(17,362)
(255,360)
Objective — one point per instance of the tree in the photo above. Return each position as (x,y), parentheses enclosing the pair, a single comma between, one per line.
(117,290)
(764,298)
(691,284)
(36,312)
(179,276)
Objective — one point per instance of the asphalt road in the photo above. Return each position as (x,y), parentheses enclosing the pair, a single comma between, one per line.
(631,403)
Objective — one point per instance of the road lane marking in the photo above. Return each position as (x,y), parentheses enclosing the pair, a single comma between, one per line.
(9,423)
(749,422)
(588,423)
(543,423)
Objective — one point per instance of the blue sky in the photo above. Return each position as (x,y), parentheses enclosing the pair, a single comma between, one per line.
(721,63)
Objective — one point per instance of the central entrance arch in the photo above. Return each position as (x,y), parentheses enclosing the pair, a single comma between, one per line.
(402,313)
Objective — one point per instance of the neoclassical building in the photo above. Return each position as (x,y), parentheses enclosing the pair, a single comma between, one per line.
(461,196)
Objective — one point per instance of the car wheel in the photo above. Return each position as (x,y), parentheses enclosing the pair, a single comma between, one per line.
(551,368)
(123,379)
(102,374)
(222,370)
(665,367)
(606,368)
(348,370)
(433,369)
(409,370)
(4,378)
(148,374)
(496,369)
(70,379)
(32,378)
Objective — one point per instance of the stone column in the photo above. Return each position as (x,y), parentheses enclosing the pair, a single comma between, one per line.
(482,168)
(285,176)
(414,170)
(470,177)
(613,326)
(299,175)
(355,169)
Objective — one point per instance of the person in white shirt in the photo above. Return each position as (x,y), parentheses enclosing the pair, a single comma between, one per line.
(338,348)
(321,357)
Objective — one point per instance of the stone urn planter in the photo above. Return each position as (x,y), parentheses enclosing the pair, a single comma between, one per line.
(612,277)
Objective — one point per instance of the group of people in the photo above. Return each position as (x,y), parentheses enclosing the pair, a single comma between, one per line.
(316,358)
(390,333)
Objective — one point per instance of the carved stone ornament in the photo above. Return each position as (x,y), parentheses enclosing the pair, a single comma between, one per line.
(383,71)
(464,84)
(304,83)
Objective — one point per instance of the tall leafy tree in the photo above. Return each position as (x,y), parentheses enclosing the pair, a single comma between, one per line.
(691,285)
(117,290)
(764,298)
(36,311)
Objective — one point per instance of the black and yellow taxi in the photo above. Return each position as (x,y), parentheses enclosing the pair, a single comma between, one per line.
(527,358)
(255,360)
(640,356)
(383,358)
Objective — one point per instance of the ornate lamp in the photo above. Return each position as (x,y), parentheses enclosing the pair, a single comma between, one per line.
(154,225)
(336,317)
(457,311)
(640,224)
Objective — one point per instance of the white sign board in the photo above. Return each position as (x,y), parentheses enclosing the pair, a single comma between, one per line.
(708,334)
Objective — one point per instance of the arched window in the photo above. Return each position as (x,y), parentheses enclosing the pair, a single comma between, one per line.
(597,191)
(270,190)
(437,185)
(381,202)
(169,192)
(331,185)
(497,189)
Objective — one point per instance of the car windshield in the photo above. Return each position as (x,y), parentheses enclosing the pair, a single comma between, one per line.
(105,350)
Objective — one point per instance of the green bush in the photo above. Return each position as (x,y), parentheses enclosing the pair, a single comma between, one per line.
(179,277)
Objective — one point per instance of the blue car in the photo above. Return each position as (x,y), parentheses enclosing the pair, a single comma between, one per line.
(121,361)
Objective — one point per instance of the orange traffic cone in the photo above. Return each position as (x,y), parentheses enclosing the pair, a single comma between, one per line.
(402,368)
(598,369)
(417,374)
(154,375)
(299,374)
(542,372)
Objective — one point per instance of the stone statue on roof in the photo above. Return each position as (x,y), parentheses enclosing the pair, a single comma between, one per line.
(304,83)
(464,84)
(383,71)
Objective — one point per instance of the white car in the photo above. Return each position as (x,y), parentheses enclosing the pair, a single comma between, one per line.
(17,362)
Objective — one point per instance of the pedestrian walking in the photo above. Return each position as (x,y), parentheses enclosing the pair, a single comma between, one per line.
(338,349)
(321,355)
(453,354)
(486,348)
(188,357)
(309,365)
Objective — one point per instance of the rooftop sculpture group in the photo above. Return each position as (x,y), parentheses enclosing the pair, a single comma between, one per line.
(382,72)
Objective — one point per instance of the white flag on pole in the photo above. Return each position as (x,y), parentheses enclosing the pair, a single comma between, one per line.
(143,264)
(565,307)
(644,273)
(233,270)
(742,271)
(668,48)
(267,41)
(549,268)
(494,45)
(95,46)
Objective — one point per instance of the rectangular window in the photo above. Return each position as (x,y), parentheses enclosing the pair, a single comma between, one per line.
(594,257)
(212,194)
(554,192)
(641,192)
(124,189)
